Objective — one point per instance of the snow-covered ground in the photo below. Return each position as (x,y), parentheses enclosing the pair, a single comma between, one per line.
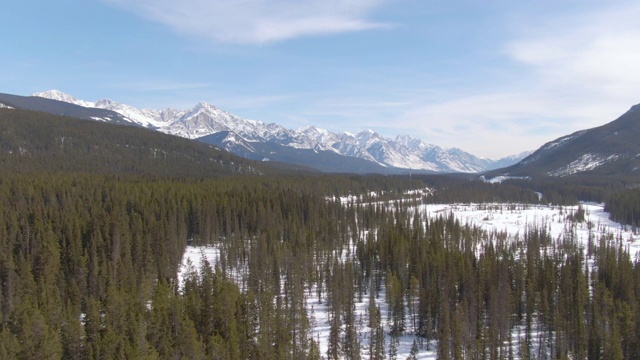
(514,219)
(510,218)
(320,321)
(501,178)
(193,258)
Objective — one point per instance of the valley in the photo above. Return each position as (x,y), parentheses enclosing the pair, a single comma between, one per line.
(319,180)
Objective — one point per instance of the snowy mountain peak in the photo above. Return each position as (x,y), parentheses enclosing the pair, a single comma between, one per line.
(410,142)
(104,103)
(309,129)
(56,95)
(367,137)
(64,97)
(368,132)
(205,108)
(316,133)
(203,105)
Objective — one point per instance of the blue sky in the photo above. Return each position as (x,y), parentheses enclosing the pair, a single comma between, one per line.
(493,77)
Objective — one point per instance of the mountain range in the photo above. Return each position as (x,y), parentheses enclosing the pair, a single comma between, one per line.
(608,150)
(364,152)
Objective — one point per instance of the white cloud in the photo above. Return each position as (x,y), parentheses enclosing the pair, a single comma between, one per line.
(573,72)
(256,21)
(596,53)
(491,125)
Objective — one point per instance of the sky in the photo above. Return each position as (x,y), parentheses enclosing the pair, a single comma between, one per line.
(491,77)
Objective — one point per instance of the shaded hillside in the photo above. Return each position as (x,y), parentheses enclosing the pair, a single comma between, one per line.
(322,160)
(62,108)
(35,141)
(611,150)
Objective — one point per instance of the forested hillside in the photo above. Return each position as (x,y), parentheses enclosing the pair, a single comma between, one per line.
(35,142)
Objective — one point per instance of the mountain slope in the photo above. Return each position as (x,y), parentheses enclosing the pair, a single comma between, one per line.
(37,141)
(62,108)
(322,160)
(402,154)
(147,117)
(611,149)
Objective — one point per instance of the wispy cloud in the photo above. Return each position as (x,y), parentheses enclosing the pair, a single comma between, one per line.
(597,52)
(256,21)
(491,125)
(572,72)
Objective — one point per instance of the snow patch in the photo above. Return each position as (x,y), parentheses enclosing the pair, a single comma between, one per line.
(501,178)
(561,141)
(585,163)
(103,119)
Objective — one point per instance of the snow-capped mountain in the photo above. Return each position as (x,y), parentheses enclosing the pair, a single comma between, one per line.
(60,96)
(150,118)
(403,152)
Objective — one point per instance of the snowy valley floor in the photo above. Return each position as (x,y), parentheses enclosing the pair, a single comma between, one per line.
(512,219)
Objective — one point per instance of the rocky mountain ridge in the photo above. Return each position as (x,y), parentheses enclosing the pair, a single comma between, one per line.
(401,153)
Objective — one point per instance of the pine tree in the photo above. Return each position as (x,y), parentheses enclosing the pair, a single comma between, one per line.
(415,350)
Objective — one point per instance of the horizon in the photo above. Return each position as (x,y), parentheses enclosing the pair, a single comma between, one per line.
(493,79)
